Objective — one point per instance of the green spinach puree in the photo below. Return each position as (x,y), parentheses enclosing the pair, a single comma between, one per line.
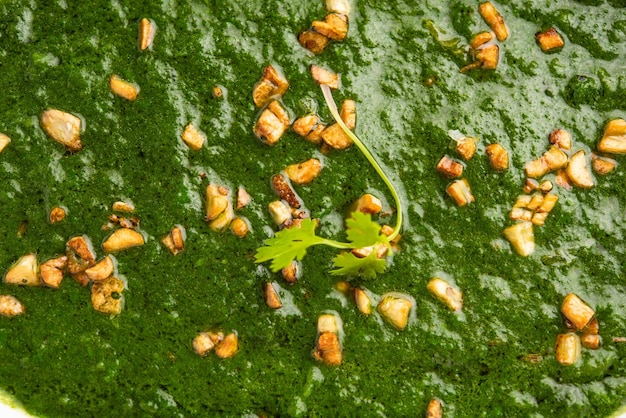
(62,358)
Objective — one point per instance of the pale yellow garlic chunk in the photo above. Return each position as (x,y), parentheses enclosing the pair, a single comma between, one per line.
(123,88)
(122,239)
(521,237)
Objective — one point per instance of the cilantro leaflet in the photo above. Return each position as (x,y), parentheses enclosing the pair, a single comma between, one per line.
(292,243)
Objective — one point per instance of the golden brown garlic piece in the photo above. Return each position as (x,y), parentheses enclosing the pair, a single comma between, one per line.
(123,88)
(51,271)
(57,214)
(578,171)
(613,139)
(273,84)
(549,40)
(449,168)
(106,295)
(602,165)
(103,269)
(174,241)
(228,347)
(4,141)
(10,306)
(446,293)
(395,309)
(304,172)
(63,127)
(576,311)
(313,41)
(521,237)
(272,299)
(147,30)
(568,348)
(460,192)
(493,18)
(434,409)
(272,123)
(498,157)
(324,76)
(193,137)
(122,239)
(24,272)
(328,347)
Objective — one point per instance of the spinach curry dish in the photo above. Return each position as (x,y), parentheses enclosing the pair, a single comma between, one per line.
(136,173)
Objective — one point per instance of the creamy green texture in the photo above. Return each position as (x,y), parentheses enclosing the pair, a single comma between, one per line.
(62,358)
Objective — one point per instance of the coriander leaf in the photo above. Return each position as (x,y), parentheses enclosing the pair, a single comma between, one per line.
(366,267)
(288,245)
(362,231)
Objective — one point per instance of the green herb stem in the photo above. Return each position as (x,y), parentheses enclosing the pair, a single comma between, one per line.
(333,110)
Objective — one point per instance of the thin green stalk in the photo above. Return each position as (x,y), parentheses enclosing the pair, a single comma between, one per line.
(333,110)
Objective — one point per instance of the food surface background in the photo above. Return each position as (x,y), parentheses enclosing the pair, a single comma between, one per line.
(62,358)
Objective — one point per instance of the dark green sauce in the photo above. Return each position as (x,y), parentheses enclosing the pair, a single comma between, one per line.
(62,358)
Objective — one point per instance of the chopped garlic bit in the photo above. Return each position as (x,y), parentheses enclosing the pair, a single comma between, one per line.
(174,241)
(460,192)
(480,39)
(520,214)
(395,309)
(521,237)
(335,137)
(568,348)
(338,6)
(193,137)
(363,301)
(563,180)
(449,167)
(240,227)
(292,272)
(602,165)
(273,84)
(552,160)
(123,88)
(280,212)
(549,40)
(283,189)
(57,214)
(4,141)
(488,56)
(63,127)
(203,344)
(243,198)
(434,409)
(466,147)
(228,347)
(101,270)
(613,139)
(122,239)
(348,113)
(10,306)
(368,203)
(576,311)
(305,125)
(313,41)
(446,293)
(328,347)
(578,171)
(590,341)
(51,271)
(272,123)
(216,201)
(80,254)
(546,186)
(498,157)
(530,185)
(147,30)
(24,272)
(493,18)
(272,299)
(324,76)
(561,138)
(334,26)
(304,172)
(106,295)
(126,207)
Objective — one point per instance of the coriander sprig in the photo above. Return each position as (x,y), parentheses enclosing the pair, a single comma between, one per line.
(291,244)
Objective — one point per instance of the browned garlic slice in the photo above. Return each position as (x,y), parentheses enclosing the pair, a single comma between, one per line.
(63,127)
